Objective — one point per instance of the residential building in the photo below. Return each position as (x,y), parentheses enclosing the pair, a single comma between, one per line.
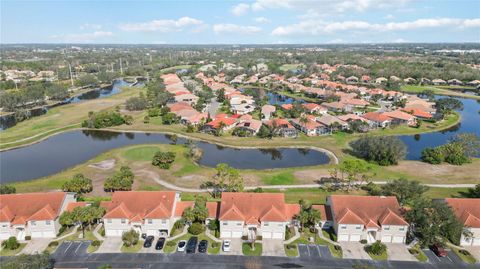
(310,127)
(326,220)
(368,218)
(467,210)
(251,214)
(377,119)
(215,125)
(399,117)
(267,111)
(32,214)
(351,80)
(149,212)
(282,128)
(251,126)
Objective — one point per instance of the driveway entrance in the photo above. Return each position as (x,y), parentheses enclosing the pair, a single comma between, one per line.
(273,247)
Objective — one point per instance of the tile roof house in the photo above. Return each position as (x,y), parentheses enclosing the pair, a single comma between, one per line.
(313,108)
(417,112)
(467,211)
(282,127)
(150,212)
(311,127)
(399,117)
(367,217)
(377,119)
(267,111)
(32,214)
(250,125)
(252,214)
(214,125)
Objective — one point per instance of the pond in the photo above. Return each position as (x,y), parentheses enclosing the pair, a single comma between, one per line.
(470,124)
(68,149)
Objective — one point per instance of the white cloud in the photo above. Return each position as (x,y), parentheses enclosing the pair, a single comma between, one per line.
(316,27)
(400,40)
(261,20)
(336,41)
(240,9)
(90,26)
(163,26)
(83,37)
(228,28)
(330,5)
(389,17)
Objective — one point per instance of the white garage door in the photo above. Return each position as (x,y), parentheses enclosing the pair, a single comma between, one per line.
(278,236)
(49,234)
(398,239)
(476,242)
(4,236)
(36,234)
(355,238)
(226,235)
(112,232)
(386,238)
(266,234)
(342,237)
(152,232)
(236,234)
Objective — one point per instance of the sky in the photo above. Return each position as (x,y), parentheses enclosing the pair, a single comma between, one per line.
(239,22)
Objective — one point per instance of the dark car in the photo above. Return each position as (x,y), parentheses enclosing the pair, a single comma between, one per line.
(160,243)
(148,241)
(192,244)
(438,250)
(202,246)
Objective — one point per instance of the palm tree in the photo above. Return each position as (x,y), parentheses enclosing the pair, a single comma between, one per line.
(221,126)
(303,217)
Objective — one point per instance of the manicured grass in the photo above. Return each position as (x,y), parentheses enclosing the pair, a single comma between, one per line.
(248,251)
(92,249)
(418,253)
(313,195)
(382,257)
(287,67)
(306,235)
(464,255)
(444,192)
(8,252)
(144,153)
(132,249)
(291,250)
(283,178)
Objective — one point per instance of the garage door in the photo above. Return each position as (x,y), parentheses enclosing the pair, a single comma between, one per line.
(226,235)
(398,239)
(342,237)
(111,232)
(4,236)
(476,242)
(278,236)
(36,234)
(236,234)
(152,232)
(266,234)
(355,237)
(386,238)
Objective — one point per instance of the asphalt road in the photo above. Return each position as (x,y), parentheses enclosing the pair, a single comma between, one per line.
(73,255)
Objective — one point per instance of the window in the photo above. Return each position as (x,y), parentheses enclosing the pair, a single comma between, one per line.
(150,221)
(109,220)
(4,225)
(224,224)
(34,223)
(47,222)
(239,224)
(358,227)
(343,227)
(401,229)
(280,224)
(124,221)
(386,228)
(164,221)
(265,224)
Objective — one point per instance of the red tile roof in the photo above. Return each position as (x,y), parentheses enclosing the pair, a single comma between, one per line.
(376,116)
(135,205)
(287,106)
(325,212)
(23,207)
(418,112)
(72,205)
(227,121)
(398,114)
(367,210)
(467,210)
(254,207)
(181,206)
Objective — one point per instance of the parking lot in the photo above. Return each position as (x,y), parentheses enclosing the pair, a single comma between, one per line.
(451,258)
(72,248)
(314,252)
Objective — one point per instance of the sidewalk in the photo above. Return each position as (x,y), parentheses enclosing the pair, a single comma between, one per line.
(295,237)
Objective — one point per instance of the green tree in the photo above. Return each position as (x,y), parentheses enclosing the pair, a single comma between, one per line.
(405,190)
(163,159)
(78,184)
(136,103)
(432,155)
(120,181)
(24,261)
(11,243)
(447,105)
(356,171)
(383,150)
(86,80)
(470,142)
(7,189)
(169,118)
(473,192)
(130,238)
(377,248)
(227,179)
(221,95)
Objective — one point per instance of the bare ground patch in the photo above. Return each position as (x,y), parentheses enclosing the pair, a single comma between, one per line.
(310,176)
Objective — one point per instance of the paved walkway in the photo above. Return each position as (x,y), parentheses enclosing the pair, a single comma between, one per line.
(295,237)
(96,234)
(184,232)
(211,236)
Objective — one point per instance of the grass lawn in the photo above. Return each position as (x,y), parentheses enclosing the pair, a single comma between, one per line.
(132,249)
(464,255)
(8,252)
(248,251)
(382,257)
(418,253)
(282,178)
(92,249)
(436,90)
(287,67)
(291,250)
(144,153)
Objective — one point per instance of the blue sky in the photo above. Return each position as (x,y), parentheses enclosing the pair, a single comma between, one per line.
(240,22)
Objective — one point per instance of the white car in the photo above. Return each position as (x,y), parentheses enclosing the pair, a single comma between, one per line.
(226,245)
(182,245)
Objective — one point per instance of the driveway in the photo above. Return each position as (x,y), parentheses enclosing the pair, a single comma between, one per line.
(235,247)
(399,252)
(36,245)
(273,247)
(313,251)
(475,251)
(450,260)
(110,245)
(354,250)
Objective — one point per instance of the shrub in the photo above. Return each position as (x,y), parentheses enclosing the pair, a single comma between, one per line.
(171,243)
(28,237)
(7,189)
(163,159)
(136,103)
(363,241)
(213,225)
(432,155)
(196,228)
(291,246)
(383,150)
(130,238)
(154,112)
(215,245)
(11,243)
(104,119)
(146,119)
(377,248)
(96,243)
(53,244)
(337,248)
(413,251)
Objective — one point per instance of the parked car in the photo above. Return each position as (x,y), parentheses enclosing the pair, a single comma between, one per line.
(160,243)
(192,244)
(202,246)
(226,246)
(148,241)
(181,246)
(438,250)
(144,236)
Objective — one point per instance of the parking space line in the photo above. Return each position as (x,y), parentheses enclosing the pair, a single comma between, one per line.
(450,259)
(308,249)
(318,250)
(66,249)
(79,245)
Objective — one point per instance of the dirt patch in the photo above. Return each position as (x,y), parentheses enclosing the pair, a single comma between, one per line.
(104,165)
(443,173)
(311,175)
